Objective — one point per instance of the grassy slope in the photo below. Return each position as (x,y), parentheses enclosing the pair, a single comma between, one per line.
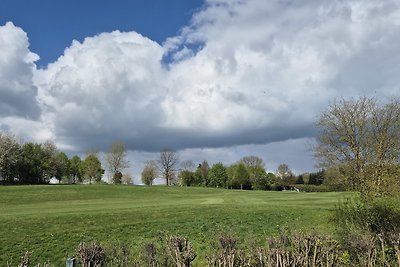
(52,220)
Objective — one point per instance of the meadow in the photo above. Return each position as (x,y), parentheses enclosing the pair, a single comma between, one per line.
(50,221)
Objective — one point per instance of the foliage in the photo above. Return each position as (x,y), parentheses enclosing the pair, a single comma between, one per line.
(241,177)
(10,153)
(365,225)
(31,166)
(316,178)
(378,216)
(36,163)
(50,161)
(334,179)
(362,138)
(316,188)
(62,166)
(217,175)
(187,178)
(149,172)
(300,179)
(75,164)
(201,174)
(260,180)
(91,167)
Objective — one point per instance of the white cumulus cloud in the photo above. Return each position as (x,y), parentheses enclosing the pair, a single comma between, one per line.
(17,92)
(242,73)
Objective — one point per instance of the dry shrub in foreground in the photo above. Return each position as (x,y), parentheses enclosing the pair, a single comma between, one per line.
(285,250)
(90,255)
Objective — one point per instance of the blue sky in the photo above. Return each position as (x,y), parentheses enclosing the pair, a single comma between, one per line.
(52,25)
(217,80)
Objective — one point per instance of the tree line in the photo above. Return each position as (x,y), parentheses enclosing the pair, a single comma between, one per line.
(358,148)
(247,173)
(38,163)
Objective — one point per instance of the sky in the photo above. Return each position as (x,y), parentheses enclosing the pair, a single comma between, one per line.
(215,80)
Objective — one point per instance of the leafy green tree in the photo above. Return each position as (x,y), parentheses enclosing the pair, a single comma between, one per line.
(201,174)
(198,177)
(241,178)
(31,167)
(149,173)
(92,169)
(317,178)
(75,164)
(230,171)
(217,175)
(204,169)
(300,179)
(187,178)
(62,167)
(39,163)
(49,160)
(260,180)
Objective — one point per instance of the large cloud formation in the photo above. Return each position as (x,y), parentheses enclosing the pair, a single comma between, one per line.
(19,108)
(17,92)
(242,72)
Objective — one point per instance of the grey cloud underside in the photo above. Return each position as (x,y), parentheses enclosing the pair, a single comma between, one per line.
(15,104)
(156,139)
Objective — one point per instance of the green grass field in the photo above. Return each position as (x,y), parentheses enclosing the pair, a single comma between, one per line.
(52,220)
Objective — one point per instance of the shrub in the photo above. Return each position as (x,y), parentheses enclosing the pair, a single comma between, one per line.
(90,255)
(369,229)
(315,188)
(377,216)
(181,251)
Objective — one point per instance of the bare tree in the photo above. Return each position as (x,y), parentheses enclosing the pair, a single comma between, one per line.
(361,138)
(284,171)
(168,162)
(127,178)
(252,161)
(187,165)
(116,160)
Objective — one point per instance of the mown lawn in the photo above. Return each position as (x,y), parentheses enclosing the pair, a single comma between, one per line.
(50,221)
